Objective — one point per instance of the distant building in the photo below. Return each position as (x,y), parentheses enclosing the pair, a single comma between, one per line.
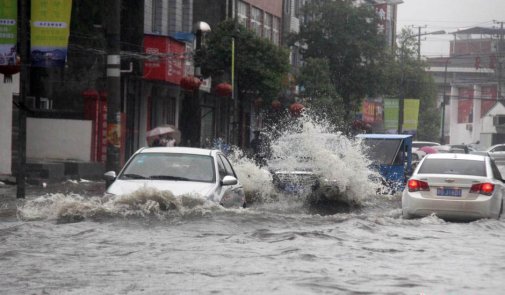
(472,83)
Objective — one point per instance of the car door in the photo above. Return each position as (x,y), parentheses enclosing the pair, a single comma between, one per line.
(498,153)
(229,195)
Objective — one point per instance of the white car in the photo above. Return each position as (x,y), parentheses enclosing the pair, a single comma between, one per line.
(454,186)
(183,171)
(497,152)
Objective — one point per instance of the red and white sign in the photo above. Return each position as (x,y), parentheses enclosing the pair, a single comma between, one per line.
(488,98)
(165,59)
(372,112)
(465,105)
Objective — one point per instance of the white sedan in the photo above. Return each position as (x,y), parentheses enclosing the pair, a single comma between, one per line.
(181,170)
(454,186)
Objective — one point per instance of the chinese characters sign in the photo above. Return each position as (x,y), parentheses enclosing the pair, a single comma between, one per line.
(8,32)
(50,29)
(166,59)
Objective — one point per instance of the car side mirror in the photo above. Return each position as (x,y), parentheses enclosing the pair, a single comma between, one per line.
(110,175)
(229,180)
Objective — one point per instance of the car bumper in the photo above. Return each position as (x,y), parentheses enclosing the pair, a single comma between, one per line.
(413,204)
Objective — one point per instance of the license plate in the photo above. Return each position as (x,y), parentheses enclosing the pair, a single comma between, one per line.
(449,192)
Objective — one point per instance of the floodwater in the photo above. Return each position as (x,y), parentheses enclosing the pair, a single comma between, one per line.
(83,243)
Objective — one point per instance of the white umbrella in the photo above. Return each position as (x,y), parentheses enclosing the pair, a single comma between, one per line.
(165,130)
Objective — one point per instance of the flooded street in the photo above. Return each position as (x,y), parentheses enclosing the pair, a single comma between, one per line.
(73,240)
(268,249)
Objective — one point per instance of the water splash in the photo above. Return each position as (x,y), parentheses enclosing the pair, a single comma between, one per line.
(308,143)
(144,203)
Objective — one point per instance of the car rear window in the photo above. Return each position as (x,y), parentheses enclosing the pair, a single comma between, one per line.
(453,166)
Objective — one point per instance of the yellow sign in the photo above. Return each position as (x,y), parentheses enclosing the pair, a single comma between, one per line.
(50,29)
(410,114)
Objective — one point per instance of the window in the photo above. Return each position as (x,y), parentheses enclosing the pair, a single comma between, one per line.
(276,30)
(157,9)
(242,14)
(267,26)
(256,20)
(221,168)
(227,165)
(453,166)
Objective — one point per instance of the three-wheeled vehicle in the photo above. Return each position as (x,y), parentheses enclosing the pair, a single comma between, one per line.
(391,155)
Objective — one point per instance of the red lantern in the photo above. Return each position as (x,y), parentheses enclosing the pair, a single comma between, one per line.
(296,109)
(276,104)
(9,70)
(223,89)
(190,83)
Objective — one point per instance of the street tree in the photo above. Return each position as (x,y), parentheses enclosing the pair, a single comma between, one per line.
(348,38)
(407,78)
(319,92)
(260,66)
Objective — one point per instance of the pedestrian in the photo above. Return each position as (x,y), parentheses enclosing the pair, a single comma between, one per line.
(156,142)
(170,141)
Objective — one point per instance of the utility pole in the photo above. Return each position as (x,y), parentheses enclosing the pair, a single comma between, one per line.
(23,91)
(500,56)
(113,36)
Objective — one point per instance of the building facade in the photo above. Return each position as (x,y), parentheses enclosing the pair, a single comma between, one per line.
(472,84)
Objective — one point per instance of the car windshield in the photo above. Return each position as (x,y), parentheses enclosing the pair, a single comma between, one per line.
(453,166)
(382,151)
(169,166)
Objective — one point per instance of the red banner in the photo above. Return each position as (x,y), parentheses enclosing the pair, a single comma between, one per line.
(465,105)
(488,99)
(372,112)
(165,60)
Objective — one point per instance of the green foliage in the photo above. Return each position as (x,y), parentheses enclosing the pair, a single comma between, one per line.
(407,77)
(348,38)
(260,66)
(319,91)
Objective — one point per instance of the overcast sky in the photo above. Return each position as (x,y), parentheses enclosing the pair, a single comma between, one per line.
(448,15)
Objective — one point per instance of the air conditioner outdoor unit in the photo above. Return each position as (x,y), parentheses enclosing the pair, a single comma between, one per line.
(469,127)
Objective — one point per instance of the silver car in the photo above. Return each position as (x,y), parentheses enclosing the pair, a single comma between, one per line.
(454,186)
(183,171)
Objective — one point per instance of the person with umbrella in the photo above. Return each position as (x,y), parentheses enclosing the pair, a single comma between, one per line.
(166,135)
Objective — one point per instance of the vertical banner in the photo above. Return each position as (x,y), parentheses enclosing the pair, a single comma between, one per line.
(465,105)
(8,31)
(410,115)
(50,28)
(391,110)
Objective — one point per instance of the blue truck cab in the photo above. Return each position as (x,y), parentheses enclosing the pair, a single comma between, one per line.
(391,155)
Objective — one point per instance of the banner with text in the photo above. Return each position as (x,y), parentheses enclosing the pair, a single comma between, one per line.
(8,31)
(410,115)
(391,108)
(50,29)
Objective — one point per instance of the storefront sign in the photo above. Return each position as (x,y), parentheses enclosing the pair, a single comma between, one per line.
(165,60)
